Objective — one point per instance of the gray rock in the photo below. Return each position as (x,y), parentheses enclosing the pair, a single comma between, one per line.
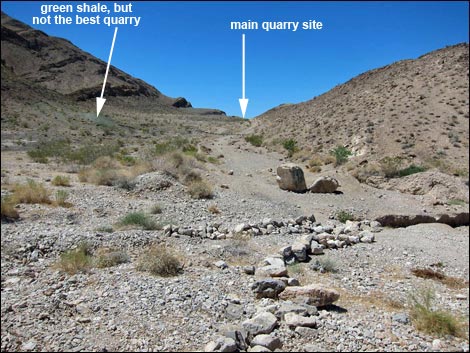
(220,264)
(294,320)
(261,323)
(221,344)
(316,248)
(299,309)
(401,318)
(268,288)
(258,349)
(313,295)
(300,251)
(307,332)
(366,236)
(271,271)
(249,270)
(324,185)
(241,227)
(267,341)
(291,177)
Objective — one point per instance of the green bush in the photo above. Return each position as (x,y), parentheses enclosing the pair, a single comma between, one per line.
(341,154)
(412,169)
(255,140)
(291,146)
(139,219)
(76,260)
(344,216)
(61,197)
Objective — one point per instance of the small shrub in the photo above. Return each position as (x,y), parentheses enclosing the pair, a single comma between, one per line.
(31,192)
(200,190)
(108,257)
(437,322)
(341,154)
(61,198)
(60,180)
(344,216)
(106,229)
(391,166)
(159,261)
(291,146)
(9,212)
(213,160)
(456,202)
(76,260)
(156,209)
(255,140)
(139,219)
(412,169)
(324,265)
(213,209)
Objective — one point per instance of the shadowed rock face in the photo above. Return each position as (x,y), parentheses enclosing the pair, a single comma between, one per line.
(58,65)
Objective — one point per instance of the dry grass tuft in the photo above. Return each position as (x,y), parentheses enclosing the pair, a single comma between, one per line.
(160,261)
(60,180)
(436,322)
(452,282)
(200,190)
(9,213)
(31,192)
(213,209)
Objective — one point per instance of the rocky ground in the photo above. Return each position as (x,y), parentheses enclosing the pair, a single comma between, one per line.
(122,309)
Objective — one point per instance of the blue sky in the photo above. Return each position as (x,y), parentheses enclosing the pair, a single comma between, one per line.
(187,48)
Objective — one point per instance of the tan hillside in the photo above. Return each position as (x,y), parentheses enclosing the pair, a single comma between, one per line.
(417,109)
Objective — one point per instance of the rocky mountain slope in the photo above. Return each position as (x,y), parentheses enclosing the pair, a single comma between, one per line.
(414,109)
(58,65)
(48,82)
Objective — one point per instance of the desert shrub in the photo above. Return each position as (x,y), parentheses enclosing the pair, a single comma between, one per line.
(9,212)
(436,322)
(60,180)
(159,261)
(108,257)
(255,140)
(315,169)
(456,202)
(291,146)
(200,190)
(213,209)
(344,216)
(341,154)
(412,169)
(213,160)
(315,162)
(139,219)
(61,197)
(156,209)
(76,260)
(391,166)
(324,265)
(31,192)
(108,171)
(105,228)
(62,150)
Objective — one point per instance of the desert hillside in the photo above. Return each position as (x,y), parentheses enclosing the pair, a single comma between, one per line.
(417,110)
(164,228)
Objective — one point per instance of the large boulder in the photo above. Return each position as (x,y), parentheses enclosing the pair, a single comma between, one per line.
(291,177)
(263,323)
(324,185)
(181,102)
(268,288)
(312,295)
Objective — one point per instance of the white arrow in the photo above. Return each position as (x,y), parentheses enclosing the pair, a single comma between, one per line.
(100,100)
(243,101)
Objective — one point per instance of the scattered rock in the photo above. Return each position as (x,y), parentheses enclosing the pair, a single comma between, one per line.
(263,323)
(268,288)
(268,341)
(294,320)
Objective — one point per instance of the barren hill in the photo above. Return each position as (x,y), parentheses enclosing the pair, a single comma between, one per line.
(415,109)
